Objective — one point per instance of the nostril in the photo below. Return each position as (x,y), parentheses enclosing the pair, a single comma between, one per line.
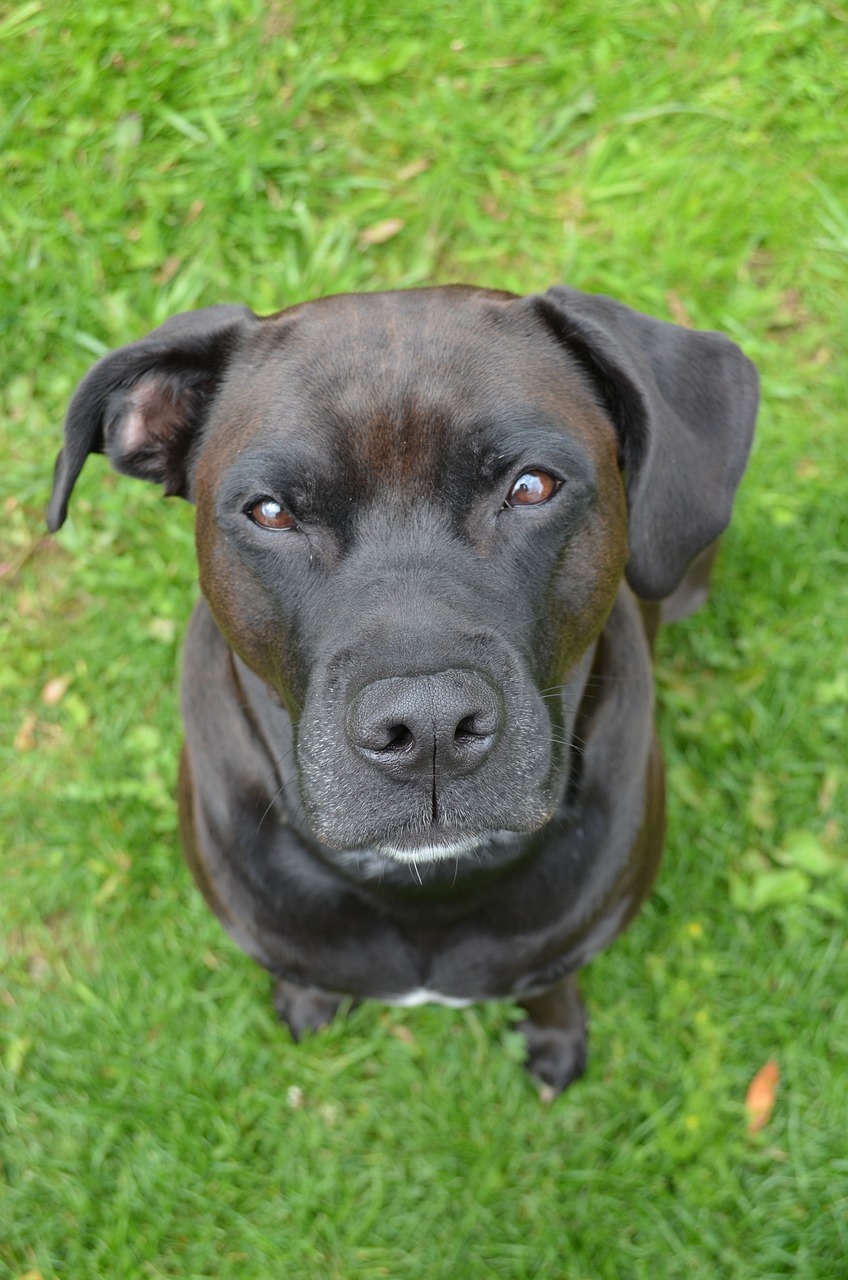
(468,729)
(476,727)
(398,738)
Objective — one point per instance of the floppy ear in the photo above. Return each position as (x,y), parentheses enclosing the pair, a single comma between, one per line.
(684,405)
(144,404)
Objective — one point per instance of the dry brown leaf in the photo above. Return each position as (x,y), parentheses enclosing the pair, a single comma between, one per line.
(380,232)
(25,737)
(73,220)
(402,1032)
(168,270)
(55,690)
(677,309)
(498,64)
(761,1095)
(413,169)
(830,832)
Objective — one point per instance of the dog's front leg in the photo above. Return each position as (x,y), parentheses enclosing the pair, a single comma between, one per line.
(555,1034)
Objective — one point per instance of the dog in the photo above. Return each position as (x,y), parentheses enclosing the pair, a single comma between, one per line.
(436,532)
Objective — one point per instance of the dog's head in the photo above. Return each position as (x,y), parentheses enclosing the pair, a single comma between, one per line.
(414,512)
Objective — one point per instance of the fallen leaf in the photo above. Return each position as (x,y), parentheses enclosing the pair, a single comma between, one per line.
(73,221)
(413,169)
(380,232)
(55,690)
(497,64)
(275,200)
(168,270)
(677,309)
(760,1098)
(830,831)
(402,1032)
(25,737)
(38,967)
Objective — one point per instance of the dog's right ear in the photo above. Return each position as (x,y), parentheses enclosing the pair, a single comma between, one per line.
(144,404)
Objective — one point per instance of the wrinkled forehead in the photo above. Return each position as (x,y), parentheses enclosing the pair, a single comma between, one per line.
(390,384)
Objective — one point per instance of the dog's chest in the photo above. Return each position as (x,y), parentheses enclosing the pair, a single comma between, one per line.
(423,995)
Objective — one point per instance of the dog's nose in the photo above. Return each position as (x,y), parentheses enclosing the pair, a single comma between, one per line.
(428,726)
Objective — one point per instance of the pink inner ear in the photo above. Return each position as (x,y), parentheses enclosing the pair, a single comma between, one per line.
(150,417)
(150,426)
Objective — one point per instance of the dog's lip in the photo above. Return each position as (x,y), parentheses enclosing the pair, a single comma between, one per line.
(434,845)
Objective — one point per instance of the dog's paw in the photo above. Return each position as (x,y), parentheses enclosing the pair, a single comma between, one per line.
(556,1057)
(304,1009)
(556,1037)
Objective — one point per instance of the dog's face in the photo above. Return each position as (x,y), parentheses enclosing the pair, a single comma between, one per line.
(412,523)
(413,533)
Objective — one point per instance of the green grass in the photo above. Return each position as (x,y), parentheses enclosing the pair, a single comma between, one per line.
(689,159)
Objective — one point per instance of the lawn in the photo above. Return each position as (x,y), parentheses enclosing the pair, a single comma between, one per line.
(691,160)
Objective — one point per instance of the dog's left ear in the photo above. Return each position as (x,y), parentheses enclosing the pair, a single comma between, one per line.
(684,405)
(144,404)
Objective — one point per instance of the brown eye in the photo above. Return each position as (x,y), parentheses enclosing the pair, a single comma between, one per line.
(531,488)
(268,514)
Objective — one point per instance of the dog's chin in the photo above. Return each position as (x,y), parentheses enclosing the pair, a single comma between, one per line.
(431,847)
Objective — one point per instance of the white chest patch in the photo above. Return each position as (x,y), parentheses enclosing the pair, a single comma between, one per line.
(422,995)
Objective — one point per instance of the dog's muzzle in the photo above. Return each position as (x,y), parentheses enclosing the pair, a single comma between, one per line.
(425,764)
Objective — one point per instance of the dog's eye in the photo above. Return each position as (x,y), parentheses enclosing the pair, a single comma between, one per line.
(268,514)
(531,488)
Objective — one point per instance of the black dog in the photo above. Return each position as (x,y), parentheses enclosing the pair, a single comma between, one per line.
(432,527)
